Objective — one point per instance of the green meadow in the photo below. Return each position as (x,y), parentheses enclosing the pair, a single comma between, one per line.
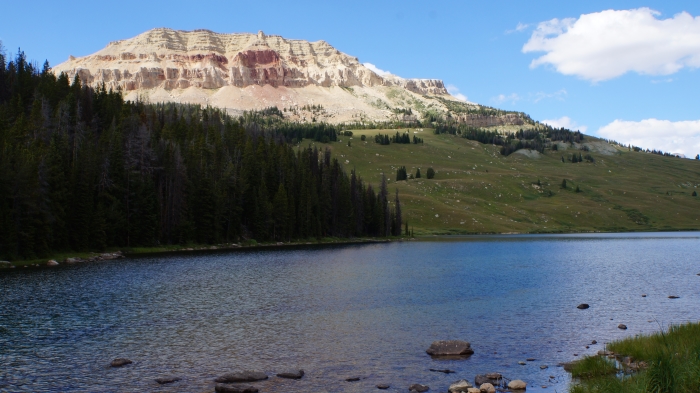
(477,190)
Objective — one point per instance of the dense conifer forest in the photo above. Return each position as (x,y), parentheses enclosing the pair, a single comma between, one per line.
(81,169)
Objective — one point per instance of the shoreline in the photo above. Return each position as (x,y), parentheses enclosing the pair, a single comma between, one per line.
(63,258)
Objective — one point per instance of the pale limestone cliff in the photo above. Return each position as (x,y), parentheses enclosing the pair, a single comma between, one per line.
(253,71)
(178,59)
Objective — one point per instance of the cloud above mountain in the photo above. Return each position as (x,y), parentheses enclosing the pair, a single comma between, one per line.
(604,45)
(566,122)
(669,136)
(376,69)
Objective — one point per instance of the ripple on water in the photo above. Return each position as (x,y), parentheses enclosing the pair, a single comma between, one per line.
(337,312)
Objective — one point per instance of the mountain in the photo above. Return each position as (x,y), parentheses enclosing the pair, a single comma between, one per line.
(245,71)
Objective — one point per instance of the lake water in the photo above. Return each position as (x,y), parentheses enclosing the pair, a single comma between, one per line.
(336,312)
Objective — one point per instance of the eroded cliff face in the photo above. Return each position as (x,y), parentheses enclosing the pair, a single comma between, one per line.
(171,59)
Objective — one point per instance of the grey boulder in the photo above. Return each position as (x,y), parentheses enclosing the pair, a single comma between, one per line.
(242,376)
(492,378)
(450,348)
(416,387)
(460,386)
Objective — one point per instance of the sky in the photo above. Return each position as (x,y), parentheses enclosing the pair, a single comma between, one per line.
(622,70)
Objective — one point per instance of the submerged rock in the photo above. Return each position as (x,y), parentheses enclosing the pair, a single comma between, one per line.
(352,379)
(450,348)
(219,388)
(583,306)
(119,362)
(242,376)
(492,378)
(166,380)
(291,374)
(517,385)
(460,386)
(383,386)
(416,387)
(445,371)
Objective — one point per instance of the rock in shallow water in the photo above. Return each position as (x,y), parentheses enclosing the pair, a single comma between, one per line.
(219,388)
(416,387)
(622,326)
(440,370)
(166,380)
(460,386)
(383,386)
(450,348)
(242,376)
(487,388)
(517,385)
(118,362)
(491,378)
(583,306)
(291,374)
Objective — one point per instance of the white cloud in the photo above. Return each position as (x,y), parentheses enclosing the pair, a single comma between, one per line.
(519,28)
(671,137)
(512,98)
(607,44)
(566,122)
(454,91)
(376,70)
(557,95)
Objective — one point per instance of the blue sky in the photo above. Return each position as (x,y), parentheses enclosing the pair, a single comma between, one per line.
(630,74)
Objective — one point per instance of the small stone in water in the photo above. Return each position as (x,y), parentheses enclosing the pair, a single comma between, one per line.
(352,379)
(522,363)
(594,342)
(622,326)
(383,386)
(543,367)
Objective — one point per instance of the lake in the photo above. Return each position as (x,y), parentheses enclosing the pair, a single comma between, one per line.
(342,311)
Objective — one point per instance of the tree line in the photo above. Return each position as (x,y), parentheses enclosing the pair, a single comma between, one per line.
(81,169)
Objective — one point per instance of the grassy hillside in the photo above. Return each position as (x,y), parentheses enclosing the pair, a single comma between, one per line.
(477,190)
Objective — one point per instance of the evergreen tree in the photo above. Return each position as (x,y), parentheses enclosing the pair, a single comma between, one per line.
(431,173)
(418,173)
(563,183)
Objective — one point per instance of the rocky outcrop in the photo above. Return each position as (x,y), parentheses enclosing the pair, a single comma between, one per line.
(175,59)
(478,120)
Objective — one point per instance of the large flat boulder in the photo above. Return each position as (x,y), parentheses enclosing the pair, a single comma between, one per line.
(450,348)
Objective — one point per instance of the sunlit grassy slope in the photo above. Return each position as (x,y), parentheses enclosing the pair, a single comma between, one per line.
(476,190)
